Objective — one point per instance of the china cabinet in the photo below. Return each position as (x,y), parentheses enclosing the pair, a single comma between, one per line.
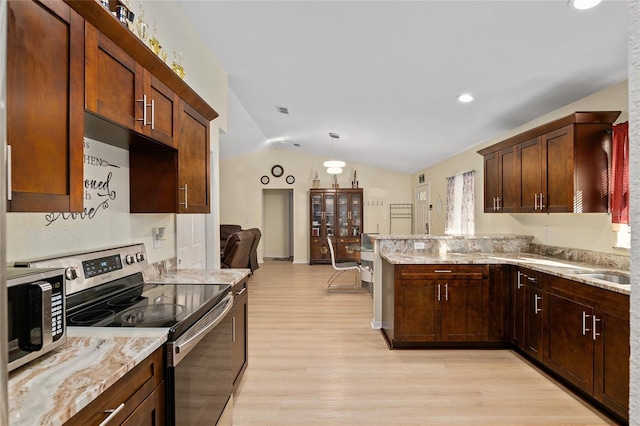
(335,213)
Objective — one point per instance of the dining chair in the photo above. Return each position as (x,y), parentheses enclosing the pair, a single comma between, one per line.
(340,269)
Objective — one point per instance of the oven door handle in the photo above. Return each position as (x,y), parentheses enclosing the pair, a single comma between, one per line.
(185,343)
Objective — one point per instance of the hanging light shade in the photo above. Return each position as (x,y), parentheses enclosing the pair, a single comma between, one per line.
(334,167)
(334,163)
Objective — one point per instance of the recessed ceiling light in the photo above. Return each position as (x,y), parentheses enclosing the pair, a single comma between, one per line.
(585,4)
(466,98)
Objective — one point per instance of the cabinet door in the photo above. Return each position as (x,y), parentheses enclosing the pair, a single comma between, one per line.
(508,198)
(355,214)
(464,303)
(114,82)
(500,181)
(534,322)
(193,161)
(612,362)
(499,303)
(239,316)
(163,122)
(529,164)
(570,341)
(151,412)
(558,183)
(45,115)
(491,182)
(316,211)
(518,308)
(343,214)
(417,311)
(329,224)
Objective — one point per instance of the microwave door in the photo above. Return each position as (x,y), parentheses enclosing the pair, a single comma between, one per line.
(34,320)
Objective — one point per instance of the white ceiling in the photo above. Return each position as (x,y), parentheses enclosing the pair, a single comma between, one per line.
(385,74)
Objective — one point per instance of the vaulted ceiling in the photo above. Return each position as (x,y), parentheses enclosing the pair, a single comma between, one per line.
(385,75)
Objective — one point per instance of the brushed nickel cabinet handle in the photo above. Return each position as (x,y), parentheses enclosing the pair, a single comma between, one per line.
(112,414)
(446,292)
(186,196)
(438,292)
(584,323)
(594,322)
(536,310)
(541,202)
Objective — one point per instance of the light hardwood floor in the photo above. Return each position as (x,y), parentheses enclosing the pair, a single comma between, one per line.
(315,360)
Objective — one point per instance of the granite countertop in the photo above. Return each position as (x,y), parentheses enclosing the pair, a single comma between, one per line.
(200,276)
(560,268)
(56,386)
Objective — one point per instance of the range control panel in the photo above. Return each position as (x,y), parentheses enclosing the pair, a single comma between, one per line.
(89,269)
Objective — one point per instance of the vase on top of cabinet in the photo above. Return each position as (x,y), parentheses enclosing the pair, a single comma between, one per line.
(338,214)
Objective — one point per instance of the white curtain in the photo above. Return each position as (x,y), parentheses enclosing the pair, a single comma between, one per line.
(461,204)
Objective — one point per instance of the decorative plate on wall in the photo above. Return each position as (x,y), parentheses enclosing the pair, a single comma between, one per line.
(290,179)
(264,179)
(277,170)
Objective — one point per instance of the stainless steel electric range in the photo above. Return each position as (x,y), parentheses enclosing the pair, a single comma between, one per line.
(105,288)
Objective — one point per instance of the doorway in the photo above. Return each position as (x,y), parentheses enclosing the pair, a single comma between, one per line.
(277,206)
(422,218)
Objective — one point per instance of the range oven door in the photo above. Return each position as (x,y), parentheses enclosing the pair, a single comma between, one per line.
(199,373)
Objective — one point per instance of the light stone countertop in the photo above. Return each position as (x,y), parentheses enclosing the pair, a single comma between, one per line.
(53,388)
(200,276)
(56,386)
(552,266)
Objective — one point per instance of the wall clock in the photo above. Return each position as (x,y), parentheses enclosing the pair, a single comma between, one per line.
(290,179)
(277,170)
(264,179)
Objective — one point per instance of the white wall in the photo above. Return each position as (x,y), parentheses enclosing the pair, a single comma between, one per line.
(241,192)
(582,231)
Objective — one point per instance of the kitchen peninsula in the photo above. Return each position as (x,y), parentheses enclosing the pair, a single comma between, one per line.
(568,313)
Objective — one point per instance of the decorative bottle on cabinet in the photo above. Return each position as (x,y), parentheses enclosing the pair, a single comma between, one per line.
(335,213)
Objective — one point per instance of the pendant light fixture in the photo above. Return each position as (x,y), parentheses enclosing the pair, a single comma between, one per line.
(334,167)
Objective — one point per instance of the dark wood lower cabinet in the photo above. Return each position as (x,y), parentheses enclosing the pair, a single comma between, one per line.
(571,341)
(140,391)
(437,304)
(577,332)
(240,316)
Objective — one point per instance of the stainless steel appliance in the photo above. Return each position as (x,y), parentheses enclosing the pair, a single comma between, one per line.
(105,288)
(35,314)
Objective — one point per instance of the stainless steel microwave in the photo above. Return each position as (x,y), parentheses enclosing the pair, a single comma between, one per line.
(36,313)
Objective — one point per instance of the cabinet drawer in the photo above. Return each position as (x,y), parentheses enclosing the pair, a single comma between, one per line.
(469,272)
(132,390)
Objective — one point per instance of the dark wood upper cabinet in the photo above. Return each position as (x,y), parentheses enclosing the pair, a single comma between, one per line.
(120,90)
(193,161)
(562,166)
(45,89)
(500,192)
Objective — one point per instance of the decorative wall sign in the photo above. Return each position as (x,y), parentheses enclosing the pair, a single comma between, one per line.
(421,178)
(264,179)
(99,188)
(290,179)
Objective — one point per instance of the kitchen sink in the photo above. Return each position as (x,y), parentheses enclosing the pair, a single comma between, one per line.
(608,276)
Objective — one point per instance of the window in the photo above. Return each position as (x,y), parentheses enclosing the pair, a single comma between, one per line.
(461,204)
(619,195)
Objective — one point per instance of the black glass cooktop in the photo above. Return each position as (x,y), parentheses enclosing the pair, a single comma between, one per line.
(139,304)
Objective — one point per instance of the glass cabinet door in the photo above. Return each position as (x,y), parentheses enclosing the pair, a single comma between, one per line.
(355,208)
(343,215)
(316,214)
(329,214)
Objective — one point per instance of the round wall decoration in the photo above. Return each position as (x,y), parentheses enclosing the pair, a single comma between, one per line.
(264,179)
(290,179)
(277,170)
